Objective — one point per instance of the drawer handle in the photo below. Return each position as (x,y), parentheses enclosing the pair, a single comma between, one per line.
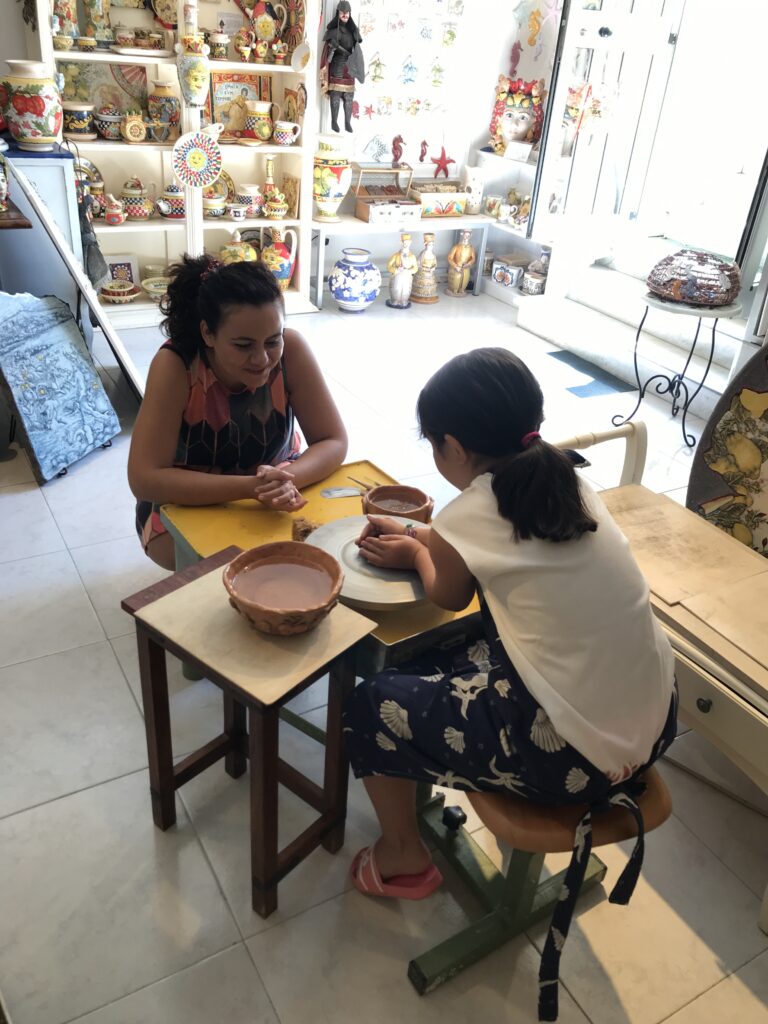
(704,704)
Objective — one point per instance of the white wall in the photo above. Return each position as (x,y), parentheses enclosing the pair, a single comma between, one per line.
(18,39)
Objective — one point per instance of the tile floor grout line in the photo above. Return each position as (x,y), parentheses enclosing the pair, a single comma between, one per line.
(157,981)
(73,792)
(714,985)
(109,540)
(263,983)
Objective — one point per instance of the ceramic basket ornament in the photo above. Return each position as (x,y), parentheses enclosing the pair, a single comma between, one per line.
(696,279)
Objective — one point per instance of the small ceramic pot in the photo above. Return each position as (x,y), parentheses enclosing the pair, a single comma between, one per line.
(63,42)
(294,619)
(115,211)
(491,205)
(119,292)
(138,207)
(124,36)
(78,121)
(219,44)
(107,122)
(170,205)
(355,280)
(244,199)
(214,207)
(397,500)
(256,199)
(238,251)
(237,211)
(533,283)
(275,209)
(155,40)
(86,44)
(285,133)
(244,53)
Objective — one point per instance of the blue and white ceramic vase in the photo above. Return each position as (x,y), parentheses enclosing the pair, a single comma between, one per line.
(355,280)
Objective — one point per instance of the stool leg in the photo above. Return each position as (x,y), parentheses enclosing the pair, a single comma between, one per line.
(235,728)
(341,682)
(263,748)
(157,724)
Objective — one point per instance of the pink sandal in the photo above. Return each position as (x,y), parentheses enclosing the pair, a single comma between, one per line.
(367,880)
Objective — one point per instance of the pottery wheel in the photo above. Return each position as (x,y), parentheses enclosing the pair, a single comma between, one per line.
(365,585)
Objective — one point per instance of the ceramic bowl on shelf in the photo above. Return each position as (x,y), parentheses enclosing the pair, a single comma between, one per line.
(155,287)
(86,43)
(63,42)
(398,500)
(283,588)
(120,292)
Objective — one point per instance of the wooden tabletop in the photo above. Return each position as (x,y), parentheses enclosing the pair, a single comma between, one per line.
(707,586)
(13,218)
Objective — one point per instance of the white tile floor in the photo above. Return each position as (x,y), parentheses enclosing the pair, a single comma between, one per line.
(106,920)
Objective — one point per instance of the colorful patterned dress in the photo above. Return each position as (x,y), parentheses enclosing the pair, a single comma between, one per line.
(225,431)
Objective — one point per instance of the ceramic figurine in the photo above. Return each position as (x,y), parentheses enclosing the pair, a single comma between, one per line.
(355,280)
(518,113)
(425,281)
(461,259)
(402,265)
(341,63)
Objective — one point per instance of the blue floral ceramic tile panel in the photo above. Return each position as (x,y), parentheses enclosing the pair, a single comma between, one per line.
(53,387)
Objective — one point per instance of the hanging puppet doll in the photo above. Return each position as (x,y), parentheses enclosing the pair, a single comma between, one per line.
(341,63)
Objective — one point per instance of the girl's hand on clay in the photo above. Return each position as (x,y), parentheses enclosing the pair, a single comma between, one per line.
(377,526)
(390,551)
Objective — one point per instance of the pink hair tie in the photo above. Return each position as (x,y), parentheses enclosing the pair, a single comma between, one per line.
(527,438)
(213,265)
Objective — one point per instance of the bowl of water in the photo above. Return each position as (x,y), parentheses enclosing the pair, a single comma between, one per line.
(283,588)
(398,500)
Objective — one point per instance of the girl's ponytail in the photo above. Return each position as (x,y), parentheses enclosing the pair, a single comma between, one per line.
(202,288)
(491,403)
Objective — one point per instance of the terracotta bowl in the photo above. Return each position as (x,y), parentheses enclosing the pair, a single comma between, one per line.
(376,502)
(285,621)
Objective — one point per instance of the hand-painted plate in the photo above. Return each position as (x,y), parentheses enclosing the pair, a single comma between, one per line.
(166,12)
(87,171)
(196,159)
(223,187)
(366,586)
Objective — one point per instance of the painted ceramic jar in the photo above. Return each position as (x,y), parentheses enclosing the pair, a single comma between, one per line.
(136,201)
(107,121)
(194,77)
(219,44)
(355,280)
(114,212)
(162,105)
(255,200)
(238,251)
(264,23)
(214,206)
(276,208)
(258,120)
(279,258)
(332,177)
(78,121)
(261,51)
(133,128)
(171,202)
(30,103)
(97,24)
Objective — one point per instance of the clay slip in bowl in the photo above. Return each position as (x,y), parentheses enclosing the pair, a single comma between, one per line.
(283,621)
(421,504)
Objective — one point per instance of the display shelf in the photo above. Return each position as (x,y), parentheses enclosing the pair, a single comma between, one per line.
(229,147)
(130,227)
(225,224)
(263,69)
(508,229)
(347,224)
(141,313)
(105,146)
(109,57)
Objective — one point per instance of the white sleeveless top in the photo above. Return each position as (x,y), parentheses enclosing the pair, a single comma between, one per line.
(576,621)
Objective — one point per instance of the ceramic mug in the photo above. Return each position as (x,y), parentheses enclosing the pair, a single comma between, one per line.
(78,121)
(285,133)
(237,211)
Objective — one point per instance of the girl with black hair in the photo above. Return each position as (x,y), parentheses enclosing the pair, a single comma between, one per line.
(570,696)
(217,420)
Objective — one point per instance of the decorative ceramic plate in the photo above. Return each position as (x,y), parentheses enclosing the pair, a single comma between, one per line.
(141,51)
(87,171)
(250,142)
(119,292)
(223,187)
(366,586)
(166,12)
(196,160)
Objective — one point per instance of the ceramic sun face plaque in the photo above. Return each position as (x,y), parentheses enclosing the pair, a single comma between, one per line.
(196,159)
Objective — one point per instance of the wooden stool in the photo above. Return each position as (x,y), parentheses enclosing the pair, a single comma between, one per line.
(518,899)
(189,615)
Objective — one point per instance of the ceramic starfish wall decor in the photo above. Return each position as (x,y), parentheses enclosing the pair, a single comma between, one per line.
(441,162)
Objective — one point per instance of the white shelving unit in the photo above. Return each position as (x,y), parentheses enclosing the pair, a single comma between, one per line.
(160,240)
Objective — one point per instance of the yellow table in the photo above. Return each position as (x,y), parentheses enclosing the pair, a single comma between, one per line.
(201,531)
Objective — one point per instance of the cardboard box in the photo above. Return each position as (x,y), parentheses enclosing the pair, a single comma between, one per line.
(445,200)
(387,211)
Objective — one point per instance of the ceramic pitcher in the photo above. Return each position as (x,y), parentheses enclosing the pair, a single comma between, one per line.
(278,257)
(258,120)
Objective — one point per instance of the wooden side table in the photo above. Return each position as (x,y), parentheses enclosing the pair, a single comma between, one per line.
(189,615)
(676,385)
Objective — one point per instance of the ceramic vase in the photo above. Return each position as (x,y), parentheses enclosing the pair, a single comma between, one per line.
(66,12)
(355,280)
(278,257)
(97,24)
(31,105)
(163,105)
(472,180)
(194,77)
(331,179)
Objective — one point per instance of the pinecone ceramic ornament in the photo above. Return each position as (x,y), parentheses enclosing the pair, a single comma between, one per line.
(695,278)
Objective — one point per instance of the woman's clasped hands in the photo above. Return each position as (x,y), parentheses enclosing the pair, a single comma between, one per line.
(274,487)
(384,543)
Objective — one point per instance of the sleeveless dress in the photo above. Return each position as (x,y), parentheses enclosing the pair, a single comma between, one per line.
(224,431)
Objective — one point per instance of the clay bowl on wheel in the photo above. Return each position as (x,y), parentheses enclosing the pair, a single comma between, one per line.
(283,588)
(398,500)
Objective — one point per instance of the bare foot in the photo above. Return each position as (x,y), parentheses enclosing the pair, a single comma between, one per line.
(392,860)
